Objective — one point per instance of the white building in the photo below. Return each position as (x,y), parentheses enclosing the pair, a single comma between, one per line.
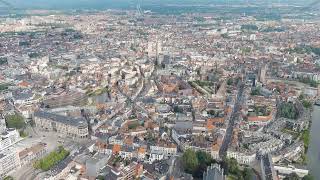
(241,157)
(3,126)
(9,161)
(161,151)
(8,138)
(33,153)
(156,157)
(288,170)
(167,150)
(253,37)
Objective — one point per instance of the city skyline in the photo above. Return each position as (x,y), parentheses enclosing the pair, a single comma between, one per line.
(150,89)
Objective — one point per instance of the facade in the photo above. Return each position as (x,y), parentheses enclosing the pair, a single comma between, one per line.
(2,124)
(262,76)
(5,95)
(94,164)
(33,153)
(285,171)
(169,150)
(241,157)
(262,120)
(311,75)
(8,138)
(161,150)
(214,172)
(9,161)
(130,172)
(69,126)
(268,171)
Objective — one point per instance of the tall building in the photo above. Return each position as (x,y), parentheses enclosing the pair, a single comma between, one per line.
(8,138)
(9,161)
(9,158)
(262,76)
(214,172)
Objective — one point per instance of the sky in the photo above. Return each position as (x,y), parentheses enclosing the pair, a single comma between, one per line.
(96,4)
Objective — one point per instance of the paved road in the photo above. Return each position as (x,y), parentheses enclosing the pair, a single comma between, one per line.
(141,92)
(60,166)
(233,118)
(25,173)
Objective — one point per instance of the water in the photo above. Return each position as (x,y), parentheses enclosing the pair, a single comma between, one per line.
(314,147)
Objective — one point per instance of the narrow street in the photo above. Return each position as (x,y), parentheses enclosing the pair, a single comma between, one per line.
(233,118)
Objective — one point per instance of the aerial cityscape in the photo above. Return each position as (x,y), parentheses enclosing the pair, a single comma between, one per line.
(160,90)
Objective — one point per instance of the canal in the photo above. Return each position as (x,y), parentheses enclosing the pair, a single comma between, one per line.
(314,147)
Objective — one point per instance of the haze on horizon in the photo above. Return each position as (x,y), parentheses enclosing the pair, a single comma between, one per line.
(125,4)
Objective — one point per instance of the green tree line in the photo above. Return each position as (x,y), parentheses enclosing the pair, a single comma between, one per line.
(51,159)
(196,163)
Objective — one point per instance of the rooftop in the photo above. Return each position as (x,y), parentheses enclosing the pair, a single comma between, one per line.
(62,119)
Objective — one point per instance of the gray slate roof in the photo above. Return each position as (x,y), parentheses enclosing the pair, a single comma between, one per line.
(62,119)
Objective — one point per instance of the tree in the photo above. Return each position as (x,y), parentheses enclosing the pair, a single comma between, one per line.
(247,174)
(133,125)
(8,178)
(233,166)
(225,165)
(308,177)
(255,92)
(288,110)
(307,104)
(190,161)
(15,121)
(33,55)
(100,177)
(305,137)
(51,159)
(176,109)
(23,134)
(249,27)
(212,112)
(204,160)
(292,176)
(3,86)
(230,81)
(3,60)
(301,97)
